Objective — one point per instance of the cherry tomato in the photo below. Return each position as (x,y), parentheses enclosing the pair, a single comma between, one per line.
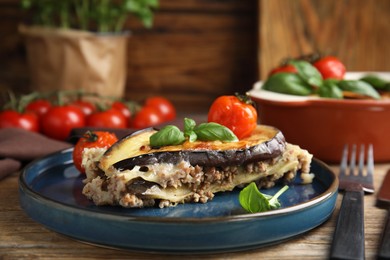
(285,68)
(111,118)
(163,106)
(122,108)
(86,107)
(91,139)
(148,116)
(330,67)
(27,120)
(39,106)
(60,120)
(236,113)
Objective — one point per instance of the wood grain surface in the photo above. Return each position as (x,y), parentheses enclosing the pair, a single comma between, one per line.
(22,238)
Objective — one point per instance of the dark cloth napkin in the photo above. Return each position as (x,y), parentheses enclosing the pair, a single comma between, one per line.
(19,146)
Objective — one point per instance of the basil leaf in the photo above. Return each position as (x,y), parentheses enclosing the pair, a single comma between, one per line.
(287,83)
(307,72)
(330,89)
(213,131)
(252,200)
(377,82)
(168,135)
(189,125)
(359,87)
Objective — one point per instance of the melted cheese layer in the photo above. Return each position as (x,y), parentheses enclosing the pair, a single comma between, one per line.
(178,183)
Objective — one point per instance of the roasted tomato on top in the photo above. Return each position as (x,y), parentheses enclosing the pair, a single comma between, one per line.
(236,113)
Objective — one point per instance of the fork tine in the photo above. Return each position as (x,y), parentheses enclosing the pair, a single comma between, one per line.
(344,161)
(353,157)
(370,170)
(361,160)
(352,163)
(370,162)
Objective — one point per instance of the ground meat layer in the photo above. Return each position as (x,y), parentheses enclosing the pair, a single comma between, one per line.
(167,185)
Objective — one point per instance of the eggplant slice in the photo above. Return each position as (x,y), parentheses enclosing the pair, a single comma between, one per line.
(133,174)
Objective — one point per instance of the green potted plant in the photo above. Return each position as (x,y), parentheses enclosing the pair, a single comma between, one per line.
(81,44)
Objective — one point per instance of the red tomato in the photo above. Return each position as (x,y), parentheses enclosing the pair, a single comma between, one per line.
(122,108)
(60,120)
(330,67)
(86,107)
(147,117)
(235,113)
(111,118)
(285,68)
(91,139)
(163,106)
(39,106)
(11,118)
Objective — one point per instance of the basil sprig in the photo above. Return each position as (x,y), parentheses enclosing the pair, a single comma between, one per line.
(252,200)
(171,135)
(168,135)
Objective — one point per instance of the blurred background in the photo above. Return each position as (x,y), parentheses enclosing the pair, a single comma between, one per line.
(200,49)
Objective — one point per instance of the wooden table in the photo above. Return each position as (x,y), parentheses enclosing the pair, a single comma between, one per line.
(22,238)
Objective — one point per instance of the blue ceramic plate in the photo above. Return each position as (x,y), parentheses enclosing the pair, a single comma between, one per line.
(50,193)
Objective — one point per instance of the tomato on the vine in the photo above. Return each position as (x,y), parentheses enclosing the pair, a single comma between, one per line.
(146,117)
(163,106)
(91,139)
(330,67)
(111,118)
(122,107)
(39,106)
(236,113)
(26,120)
(284,68)
(86,107)
(60,120)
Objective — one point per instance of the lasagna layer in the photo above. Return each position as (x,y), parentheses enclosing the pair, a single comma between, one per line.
(167,184)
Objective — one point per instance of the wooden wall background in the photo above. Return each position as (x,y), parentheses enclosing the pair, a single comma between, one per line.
(357,31)
(200,49)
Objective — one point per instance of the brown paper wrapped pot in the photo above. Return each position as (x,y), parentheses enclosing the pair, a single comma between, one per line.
(71,59)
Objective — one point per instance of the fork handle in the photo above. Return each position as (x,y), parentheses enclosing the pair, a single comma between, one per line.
(348,239)
(384,249)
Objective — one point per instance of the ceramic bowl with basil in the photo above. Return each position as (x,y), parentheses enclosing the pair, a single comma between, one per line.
(324,115)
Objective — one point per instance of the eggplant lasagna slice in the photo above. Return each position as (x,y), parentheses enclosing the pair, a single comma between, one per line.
(133,174)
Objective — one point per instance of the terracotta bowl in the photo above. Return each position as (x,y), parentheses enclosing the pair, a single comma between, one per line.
(323,126)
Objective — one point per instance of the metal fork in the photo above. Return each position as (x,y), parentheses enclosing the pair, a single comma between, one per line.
(348,239)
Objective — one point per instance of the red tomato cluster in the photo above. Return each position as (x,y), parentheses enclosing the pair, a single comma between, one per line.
(57,120)
(11,118)
(155,111)
(330,67)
